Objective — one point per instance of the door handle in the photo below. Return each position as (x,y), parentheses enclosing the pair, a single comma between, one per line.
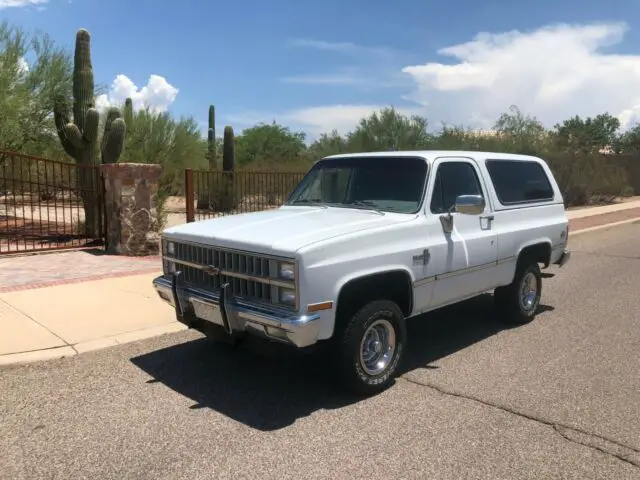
(489,217)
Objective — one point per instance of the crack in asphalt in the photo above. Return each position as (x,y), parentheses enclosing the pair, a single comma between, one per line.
(565,431)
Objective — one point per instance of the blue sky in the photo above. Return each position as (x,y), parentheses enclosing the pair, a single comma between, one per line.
(322,65)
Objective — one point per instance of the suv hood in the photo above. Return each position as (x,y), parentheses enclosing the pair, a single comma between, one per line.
(281,231)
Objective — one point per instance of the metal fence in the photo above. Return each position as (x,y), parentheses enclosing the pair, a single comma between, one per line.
(49,205)
(214,193)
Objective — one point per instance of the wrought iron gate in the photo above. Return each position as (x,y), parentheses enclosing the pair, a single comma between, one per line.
(49,205)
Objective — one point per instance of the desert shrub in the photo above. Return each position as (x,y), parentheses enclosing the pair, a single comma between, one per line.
(585,178)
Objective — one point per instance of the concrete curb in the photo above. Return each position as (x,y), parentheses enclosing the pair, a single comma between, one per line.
(88,346)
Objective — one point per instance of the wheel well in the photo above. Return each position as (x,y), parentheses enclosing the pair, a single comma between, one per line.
(540,252)
(393,285)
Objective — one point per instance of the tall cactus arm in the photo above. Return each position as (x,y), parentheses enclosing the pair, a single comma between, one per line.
(228,149)
(211,141)
(211,138)
(113,141)
(128,112)
(61,119)
(73,135)
(112,114)
(83,85)
(83,140)
(91,123)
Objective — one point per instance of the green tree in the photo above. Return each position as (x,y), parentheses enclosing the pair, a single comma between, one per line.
(328,144)
(389,130)
(28,90)
(629,141)
(589,135)
(175,144)
(520,133)
(269,144)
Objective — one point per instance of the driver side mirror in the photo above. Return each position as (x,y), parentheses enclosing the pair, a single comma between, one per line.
(464,204)
(469,204)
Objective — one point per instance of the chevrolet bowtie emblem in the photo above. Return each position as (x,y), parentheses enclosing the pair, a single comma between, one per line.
(211,270)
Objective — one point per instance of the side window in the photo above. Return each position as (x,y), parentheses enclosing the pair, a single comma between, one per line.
(453,179)
(519,181)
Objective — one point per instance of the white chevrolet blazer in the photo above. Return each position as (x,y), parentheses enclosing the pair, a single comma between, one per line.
(364,242)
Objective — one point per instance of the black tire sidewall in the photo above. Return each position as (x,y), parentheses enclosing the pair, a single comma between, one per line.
(351,369)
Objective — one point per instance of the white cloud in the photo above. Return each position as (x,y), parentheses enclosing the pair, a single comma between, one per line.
(157,94)
(20,3)
(324,79)
(23,66)
(554,73)
(347,48)
(363,78)
(367,67)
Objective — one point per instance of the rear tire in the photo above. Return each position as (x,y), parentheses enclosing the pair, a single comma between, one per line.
(370,348)
(518,302)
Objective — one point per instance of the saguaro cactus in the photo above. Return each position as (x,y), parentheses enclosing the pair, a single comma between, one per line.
(128,112)
(80,137)
(228,150)
(211,138)
(228,166)
(207,192)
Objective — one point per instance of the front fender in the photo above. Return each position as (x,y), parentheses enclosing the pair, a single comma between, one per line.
(358,274)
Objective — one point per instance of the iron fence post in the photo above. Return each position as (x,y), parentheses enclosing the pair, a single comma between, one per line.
(189,196)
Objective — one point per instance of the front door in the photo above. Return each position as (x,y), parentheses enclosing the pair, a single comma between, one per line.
(463,261)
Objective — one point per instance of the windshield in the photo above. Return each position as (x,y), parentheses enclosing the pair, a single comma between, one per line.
(392,184)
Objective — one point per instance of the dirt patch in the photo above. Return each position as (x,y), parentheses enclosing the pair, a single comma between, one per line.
(21,234)
(175,204)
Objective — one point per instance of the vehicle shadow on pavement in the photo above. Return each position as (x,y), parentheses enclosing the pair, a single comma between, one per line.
(443,332)
(269,387)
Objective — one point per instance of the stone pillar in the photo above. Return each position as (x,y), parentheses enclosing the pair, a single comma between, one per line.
(131,217)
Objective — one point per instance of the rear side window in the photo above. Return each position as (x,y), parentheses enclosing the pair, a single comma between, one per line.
(519,181)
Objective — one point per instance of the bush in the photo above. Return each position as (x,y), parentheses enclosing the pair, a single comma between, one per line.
(585,178)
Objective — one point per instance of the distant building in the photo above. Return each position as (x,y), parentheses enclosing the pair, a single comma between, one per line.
(480,132)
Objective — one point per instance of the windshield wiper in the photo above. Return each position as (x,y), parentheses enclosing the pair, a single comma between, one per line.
(365,205)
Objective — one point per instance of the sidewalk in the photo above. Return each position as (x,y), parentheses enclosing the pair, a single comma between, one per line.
(64,320)
(62,304)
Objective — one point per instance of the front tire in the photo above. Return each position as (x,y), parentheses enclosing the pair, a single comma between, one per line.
(518,302)
(371,347)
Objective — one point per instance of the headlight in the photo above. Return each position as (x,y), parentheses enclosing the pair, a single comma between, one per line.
(287,271)
(171,248)
(287,296)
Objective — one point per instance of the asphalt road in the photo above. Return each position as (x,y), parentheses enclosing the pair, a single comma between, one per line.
(559,398)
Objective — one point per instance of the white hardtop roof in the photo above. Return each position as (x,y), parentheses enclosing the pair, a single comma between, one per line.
(430,155)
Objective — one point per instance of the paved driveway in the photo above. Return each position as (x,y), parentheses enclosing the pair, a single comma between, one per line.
(559,398)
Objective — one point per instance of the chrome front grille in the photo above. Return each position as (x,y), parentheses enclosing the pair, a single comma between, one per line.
(251,277)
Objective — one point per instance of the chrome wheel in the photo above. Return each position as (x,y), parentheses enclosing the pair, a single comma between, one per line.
(528,291)
(377,347)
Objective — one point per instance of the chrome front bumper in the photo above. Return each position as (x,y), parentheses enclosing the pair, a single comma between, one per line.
(196,307)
